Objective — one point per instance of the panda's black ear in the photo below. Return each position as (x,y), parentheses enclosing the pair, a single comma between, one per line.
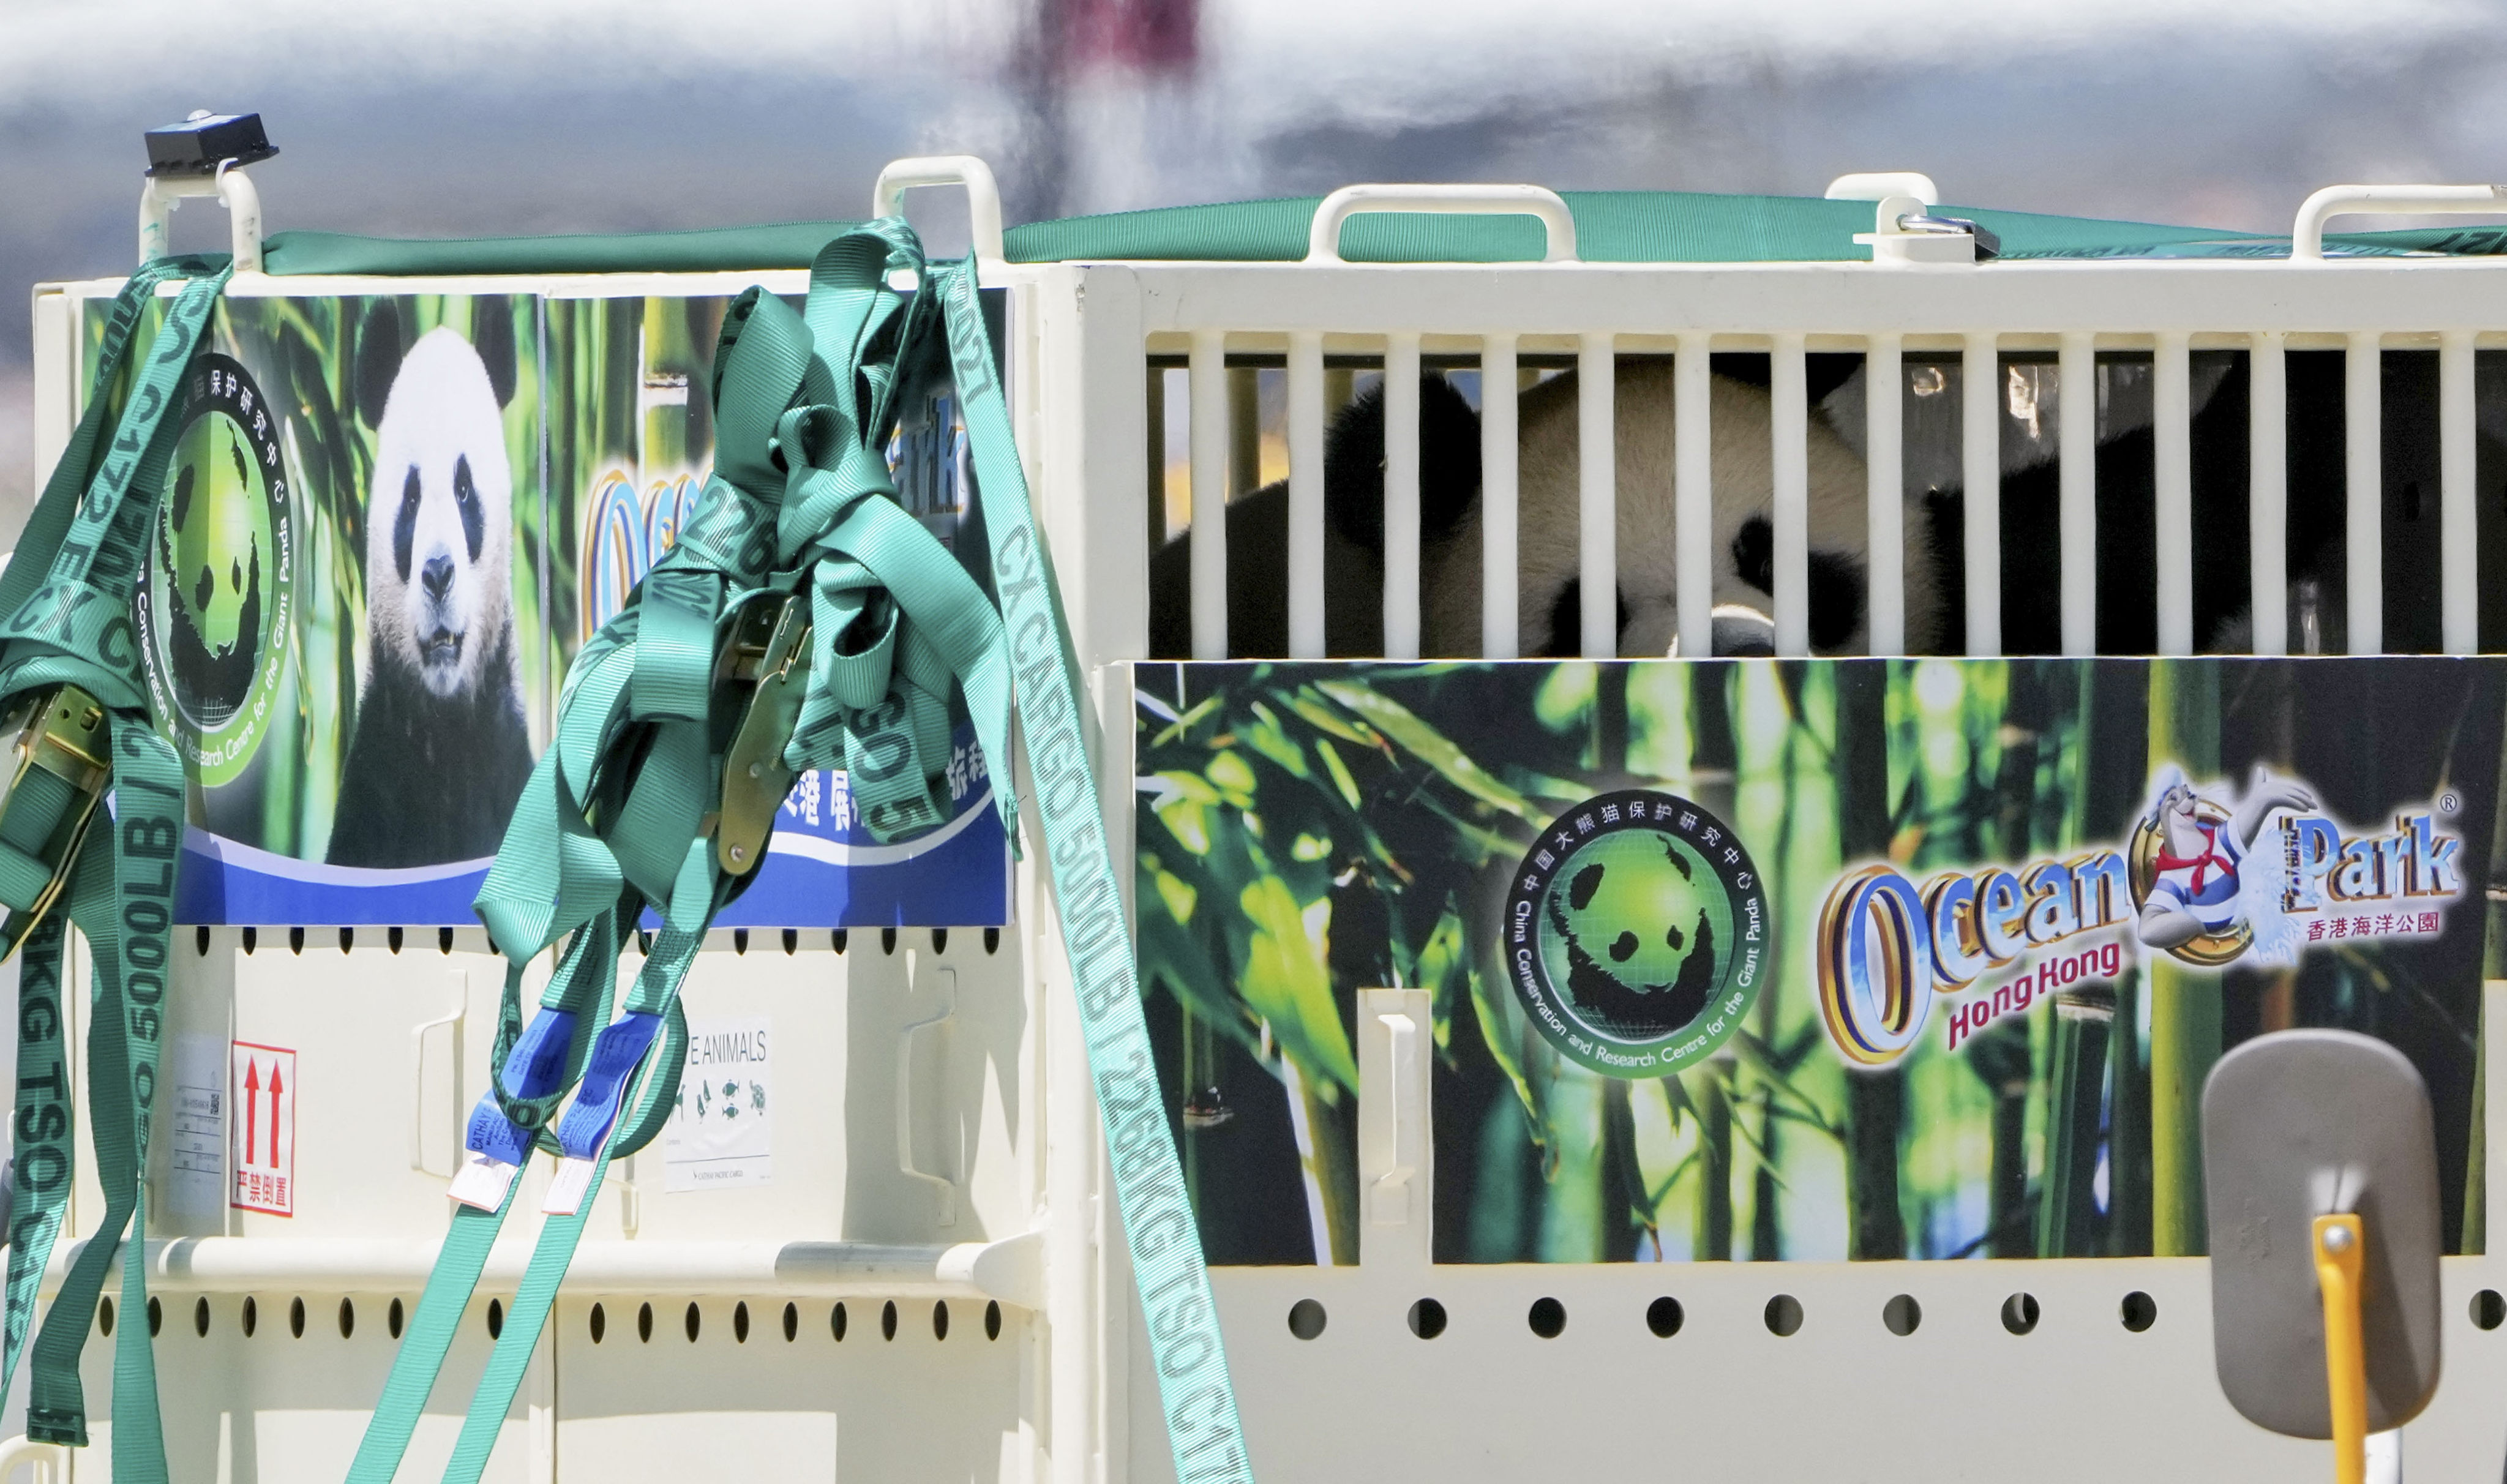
(1449,464)
(380,348)
(492,335)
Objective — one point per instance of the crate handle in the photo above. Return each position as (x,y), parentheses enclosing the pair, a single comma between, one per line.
(944,1190)
(417,1081)
(983,195)
(160,194)
(1323,240)
(2307,237)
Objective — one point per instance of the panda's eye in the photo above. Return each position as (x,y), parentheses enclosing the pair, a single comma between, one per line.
(413,492)
(465,495)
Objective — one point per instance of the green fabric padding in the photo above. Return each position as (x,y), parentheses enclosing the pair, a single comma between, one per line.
(1611,227)
(713,249)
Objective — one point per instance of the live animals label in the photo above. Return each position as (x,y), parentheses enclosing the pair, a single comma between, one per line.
(721,1130)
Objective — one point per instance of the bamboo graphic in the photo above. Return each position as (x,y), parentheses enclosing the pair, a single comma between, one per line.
(1714,759)
(2184,1006)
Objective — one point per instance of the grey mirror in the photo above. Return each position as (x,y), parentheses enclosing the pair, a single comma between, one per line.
(2299,1125)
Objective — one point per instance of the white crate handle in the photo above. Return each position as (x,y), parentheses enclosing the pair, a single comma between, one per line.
(2307,236)
(983,195)
(944,1190)
(50,1461)
(159,195)
(1323,240)
(417,1080)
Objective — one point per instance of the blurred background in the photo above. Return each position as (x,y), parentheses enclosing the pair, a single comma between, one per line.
(475,116)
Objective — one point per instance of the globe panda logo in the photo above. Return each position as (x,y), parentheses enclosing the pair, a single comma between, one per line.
(441,749)
(1637,933)
(220,588)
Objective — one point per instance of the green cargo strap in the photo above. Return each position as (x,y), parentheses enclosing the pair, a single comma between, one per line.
(68,634)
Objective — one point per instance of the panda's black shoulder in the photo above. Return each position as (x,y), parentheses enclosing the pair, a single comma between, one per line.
(1449,463)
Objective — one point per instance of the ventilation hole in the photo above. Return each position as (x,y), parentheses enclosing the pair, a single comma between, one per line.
(1547,1318)
(394,1317)
(740,940)
(348,939)
(791,941)
(296,1317)
(1306,1319)
(201,940)
(791,1322)
(1427,1318)
(2488,1310)
(993,1320)
(393,940)
(347,1317)
(156,1318)
(887,940)
(836,1322)
(201,1317)
(939,940)
(444,940)
(252,939)
(1902,1315)
(643,1323)
(992,940)
(600,1324)
(251,1310)
(940,1319)
(495,1318)
(694,1321)
(838,938)
(738,1324)
(104,1316)
(295,940)
(1784,1315)
(1664,1316)
(2019,1313)
(888,1321)
(2140,1310)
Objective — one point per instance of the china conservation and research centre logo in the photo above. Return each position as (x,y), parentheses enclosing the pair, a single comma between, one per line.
(215,610)
(1637,933)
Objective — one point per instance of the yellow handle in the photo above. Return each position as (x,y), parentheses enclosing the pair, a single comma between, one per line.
(2340,1245)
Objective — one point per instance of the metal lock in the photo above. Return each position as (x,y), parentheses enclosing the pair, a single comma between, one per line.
(768,651)
(65,732)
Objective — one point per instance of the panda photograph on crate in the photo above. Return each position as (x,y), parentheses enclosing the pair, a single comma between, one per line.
(441,749)
(1549,587)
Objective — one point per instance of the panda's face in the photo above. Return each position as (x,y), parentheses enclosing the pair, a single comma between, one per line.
(439,518)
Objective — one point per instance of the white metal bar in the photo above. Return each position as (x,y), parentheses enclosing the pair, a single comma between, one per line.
(2458,529)
(1789,425)
(2363,395)
(1693,393)
(1207,382)
(1597,493)
(1500,635)
(1306,495)
(1402,495)
(2173,443)
(2267,492)
(2076,414)
(1980,468)
(1884,386)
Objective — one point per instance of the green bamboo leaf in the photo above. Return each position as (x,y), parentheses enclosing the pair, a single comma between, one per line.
(1493,1029)
(1268,738)
(1287,981)
(1430,746)
(1339,772)
(1755,1055)
(1308,704)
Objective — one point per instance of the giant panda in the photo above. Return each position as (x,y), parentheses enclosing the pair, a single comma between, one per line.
(440,749)
(1550,592)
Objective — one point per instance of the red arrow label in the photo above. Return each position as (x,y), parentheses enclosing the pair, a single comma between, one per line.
(252,1109)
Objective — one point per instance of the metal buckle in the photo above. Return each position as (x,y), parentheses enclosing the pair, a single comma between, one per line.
(767,650)
(64,732)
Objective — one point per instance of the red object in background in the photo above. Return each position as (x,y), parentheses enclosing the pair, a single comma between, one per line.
(1152,35)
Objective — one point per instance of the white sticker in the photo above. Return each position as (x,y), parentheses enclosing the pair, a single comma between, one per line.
(197,1149)
(482,1181)
(263,1093)
(568,1189)
(721,1130)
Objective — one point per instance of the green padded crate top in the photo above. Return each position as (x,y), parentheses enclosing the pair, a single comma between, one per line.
(1611,227)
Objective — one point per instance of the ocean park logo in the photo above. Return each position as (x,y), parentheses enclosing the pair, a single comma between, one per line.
(2211,876)
(1637,933)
